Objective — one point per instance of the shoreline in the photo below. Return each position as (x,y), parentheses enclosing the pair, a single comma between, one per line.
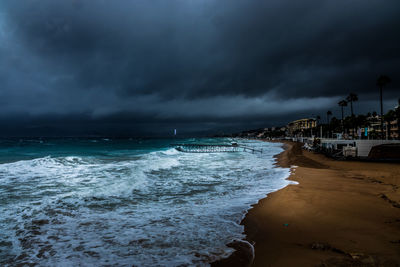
(340,213)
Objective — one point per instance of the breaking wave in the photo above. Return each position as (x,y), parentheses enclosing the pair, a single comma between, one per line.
(156,208)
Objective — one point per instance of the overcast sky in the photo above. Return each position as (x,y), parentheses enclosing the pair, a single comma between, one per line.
(139,67)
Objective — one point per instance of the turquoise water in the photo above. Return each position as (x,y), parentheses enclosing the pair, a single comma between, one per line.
(97,202)
(22,149)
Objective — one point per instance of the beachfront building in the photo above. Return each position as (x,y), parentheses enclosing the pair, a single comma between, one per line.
(373,128)
(391,129)
(394,129)
(302,125)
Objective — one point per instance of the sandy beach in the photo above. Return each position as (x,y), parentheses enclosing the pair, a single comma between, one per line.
(342,213)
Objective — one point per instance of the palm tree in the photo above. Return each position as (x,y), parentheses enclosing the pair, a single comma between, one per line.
(342,104)
(382,81)
(352,98)
(361,120)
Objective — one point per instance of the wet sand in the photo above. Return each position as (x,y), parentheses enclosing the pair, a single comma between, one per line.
(342,213)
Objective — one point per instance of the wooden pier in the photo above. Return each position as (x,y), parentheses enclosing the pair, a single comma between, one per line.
(214,148)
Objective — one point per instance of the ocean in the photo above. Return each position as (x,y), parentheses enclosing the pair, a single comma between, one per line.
(99,201)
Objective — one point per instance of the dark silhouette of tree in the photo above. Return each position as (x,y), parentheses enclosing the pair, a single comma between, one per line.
(361,121)
(328,114)
(382,81)
(352,98)
(342,104)
(335,124)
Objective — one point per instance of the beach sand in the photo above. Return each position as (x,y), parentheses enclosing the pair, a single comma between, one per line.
(342,213)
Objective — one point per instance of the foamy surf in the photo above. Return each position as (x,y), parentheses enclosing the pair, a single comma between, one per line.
(127,208)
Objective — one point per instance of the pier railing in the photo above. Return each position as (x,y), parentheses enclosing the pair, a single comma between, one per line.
(214,148)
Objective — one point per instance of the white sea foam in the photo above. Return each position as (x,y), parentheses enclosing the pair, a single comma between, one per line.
(171,151)
(161,208)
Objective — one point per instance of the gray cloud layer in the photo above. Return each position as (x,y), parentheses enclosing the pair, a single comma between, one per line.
(178,61)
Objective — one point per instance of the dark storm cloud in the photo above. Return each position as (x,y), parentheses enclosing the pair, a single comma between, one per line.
(205,60)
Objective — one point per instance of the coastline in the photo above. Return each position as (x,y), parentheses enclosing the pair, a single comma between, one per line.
(340,213)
